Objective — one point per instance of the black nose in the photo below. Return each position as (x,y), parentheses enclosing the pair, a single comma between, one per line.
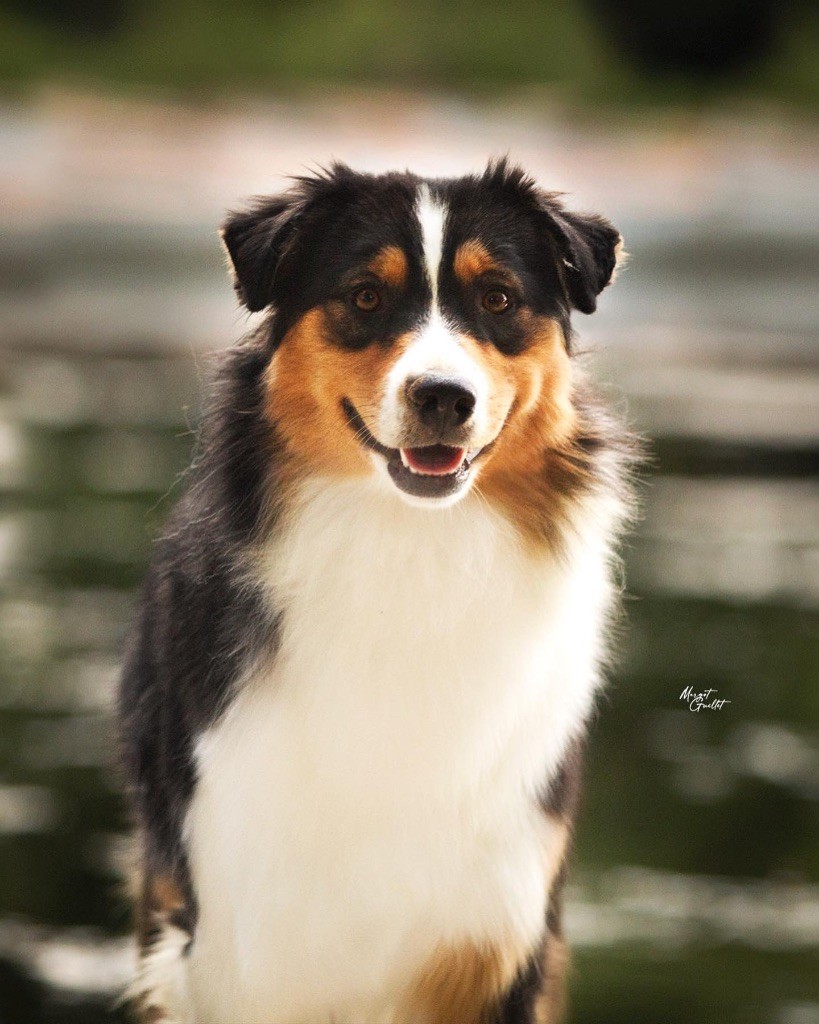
(442,402)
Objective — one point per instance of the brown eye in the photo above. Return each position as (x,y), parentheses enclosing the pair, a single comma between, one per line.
(367,299)
(496,301)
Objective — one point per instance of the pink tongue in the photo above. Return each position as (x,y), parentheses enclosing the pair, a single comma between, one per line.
(435,460)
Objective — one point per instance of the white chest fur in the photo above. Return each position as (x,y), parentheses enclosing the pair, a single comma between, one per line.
(371,794)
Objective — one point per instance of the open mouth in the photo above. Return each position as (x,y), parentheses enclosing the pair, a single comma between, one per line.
(433,460)
(429,471)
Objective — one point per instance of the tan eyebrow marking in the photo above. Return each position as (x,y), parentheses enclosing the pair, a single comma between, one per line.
(390,264)
(471,260)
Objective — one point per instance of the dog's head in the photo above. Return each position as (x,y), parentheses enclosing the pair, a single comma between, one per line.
(421,327)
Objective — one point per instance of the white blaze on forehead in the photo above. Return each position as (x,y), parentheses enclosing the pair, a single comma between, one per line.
(431,214)
(436,346)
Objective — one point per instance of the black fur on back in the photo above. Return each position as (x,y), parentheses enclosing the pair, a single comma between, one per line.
(200,619)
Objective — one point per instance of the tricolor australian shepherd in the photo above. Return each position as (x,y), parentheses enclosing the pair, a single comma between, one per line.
(369,643)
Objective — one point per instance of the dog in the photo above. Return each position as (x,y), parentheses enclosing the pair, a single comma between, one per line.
(354,701)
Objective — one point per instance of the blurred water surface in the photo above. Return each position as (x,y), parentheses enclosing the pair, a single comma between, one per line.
(695,892)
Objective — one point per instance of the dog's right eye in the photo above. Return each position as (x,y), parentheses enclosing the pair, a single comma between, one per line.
(366,299)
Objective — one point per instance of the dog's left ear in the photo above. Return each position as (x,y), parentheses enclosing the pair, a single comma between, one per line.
(589,248)
(255,241)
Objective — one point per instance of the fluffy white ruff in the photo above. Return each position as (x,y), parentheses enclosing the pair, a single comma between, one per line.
(371,793)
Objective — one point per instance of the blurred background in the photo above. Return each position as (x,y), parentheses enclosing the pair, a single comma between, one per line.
(126,129)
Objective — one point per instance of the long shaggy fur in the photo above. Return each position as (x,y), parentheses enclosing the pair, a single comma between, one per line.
(354,699)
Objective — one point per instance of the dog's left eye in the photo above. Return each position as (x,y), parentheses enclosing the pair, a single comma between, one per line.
(367,299)
(496,301)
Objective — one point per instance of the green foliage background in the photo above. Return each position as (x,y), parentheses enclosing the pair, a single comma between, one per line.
(207,47)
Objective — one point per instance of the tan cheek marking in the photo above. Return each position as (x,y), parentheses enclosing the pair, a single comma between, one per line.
(305,383)
(533,387)
(301,381)
(502,385)
(463,984)
(531,472)
(390,264)
(471,260)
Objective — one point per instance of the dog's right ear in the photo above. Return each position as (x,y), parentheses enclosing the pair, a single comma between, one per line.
(259,240)
(255,241)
